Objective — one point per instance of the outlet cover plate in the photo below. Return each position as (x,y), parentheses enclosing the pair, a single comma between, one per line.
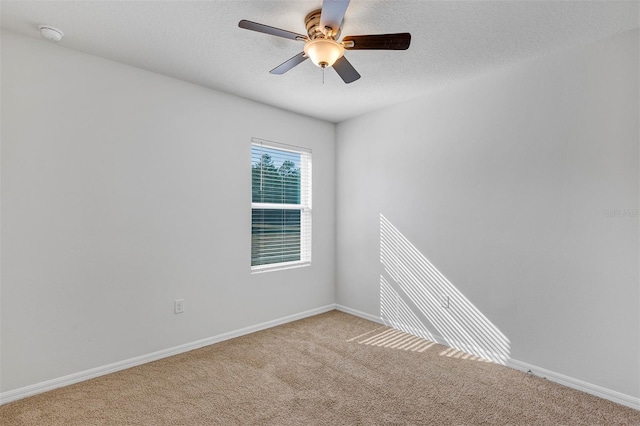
(178,306)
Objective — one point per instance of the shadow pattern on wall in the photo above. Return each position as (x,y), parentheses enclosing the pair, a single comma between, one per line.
(417,298)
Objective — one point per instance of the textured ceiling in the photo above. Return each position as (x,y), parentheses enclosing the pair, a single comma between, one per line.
(200,42)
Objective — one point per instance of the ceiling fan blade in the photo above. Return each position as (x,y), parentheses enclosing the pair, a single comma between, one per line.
(333,13)
(399,41)
(289,63)
(345,70)
(261,28)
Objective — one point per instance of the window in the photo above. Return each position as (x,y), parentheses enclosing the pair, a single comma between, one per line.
(280,205)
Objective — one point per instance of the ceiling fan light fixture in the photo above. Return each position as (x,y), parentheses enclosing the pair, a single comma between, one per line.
(323,52)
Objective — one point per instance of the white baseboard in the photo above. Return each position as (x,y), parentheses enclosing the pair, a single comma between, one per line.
(580,385)
(567,381)
(360,314)
(24,392)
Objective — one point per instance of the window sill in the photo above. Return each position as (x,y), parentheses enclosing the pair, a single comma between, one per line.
(279,267)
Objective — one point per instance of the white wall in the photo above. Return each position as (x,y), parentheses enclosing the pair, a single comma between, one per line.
(502,183)
(123,190)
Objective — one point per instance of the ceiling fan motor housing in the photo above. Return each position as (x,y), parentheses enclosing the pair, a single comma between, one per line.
(312,22)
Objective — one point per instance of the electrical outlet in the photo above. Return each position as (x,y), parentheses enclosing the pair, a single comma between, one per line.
(444,301)
(178,306)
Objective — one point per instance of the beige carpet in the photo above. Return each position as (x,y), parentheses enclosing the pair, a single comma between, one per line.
(331,369)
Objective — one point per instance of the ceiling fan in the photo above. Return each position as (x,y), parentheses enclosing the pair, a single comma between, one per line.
(321,42)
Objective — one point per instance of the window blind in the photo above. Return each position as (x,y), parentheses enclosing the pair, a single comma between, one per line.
(280,205)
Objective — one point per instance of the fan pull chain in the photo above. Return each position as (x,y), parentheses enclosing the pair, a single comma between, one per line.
(323,74)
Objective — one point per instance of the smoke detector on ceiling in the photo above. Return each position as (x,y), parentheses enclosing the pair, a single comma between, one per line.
(50,33)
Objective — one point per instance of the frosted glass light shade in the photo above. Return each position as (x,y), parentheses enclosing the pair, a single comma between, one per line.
(323,52)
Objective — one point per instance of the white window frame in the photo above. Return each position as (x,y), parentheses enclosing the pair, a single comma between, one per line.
(305,206)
